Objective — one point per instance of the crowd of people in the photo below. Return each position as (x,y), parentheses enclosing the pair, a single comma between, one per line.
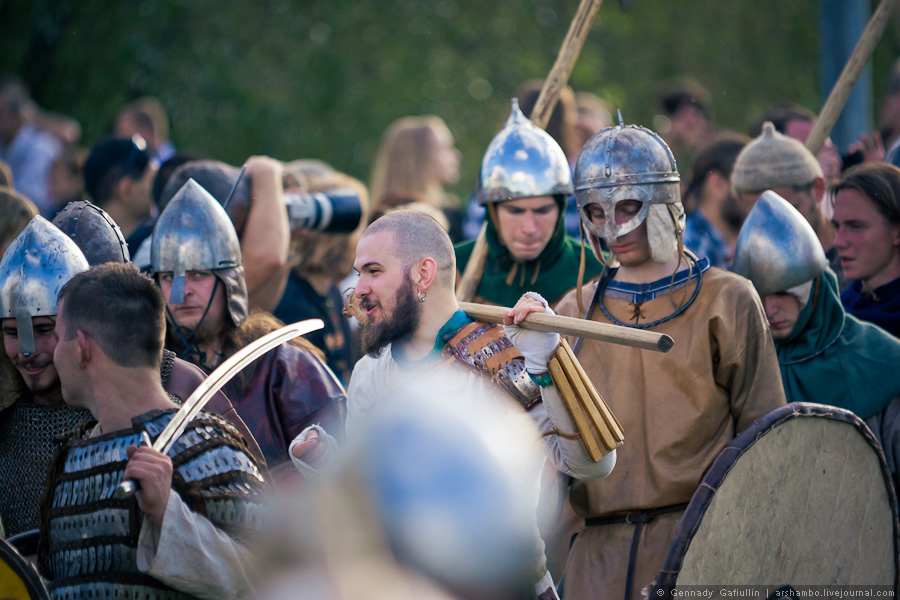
(403,447)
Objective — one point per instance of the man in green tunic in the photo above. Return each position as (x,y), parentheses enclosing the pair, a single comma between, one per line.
(825,355)
(524,181)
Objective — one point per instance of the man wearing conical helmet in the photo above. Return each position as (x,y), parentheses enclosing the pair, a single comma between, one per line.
(680,408)
(825,355)
(196,257)
(524,181)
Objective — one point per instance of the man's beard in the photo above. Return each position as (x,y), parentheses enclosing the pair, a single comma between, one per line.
(398,327)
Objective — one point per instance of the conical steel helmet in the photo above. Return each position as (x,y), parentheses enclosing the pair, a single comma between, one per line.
(34,268)
(522,161)
(193,233)
(94,231)
(777,248)
(625,162)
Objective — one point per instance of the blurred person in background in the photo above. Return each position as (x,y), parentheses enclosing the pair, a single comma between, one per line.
(28,150)
(319,262)
(67,178)
(147,118)
(713,218)
(686,106)
(796,121)
(867,241)
(416,161)
(15,212)
(118,177)
(594,115)
(6,177)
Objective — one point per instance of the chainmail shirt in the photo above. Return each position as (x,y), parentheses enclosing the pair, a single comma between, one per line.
(30,435)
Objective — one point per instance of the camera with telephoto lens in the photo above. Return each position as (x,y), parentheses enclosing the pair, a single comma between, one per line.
(333,211)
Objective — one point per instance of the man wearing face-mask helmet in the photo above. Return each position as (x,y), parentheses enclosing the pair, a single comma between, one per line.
(680,408)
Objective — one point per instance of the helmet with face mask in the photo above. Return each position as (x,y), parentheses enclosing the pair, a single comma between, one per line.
(523,161)
(194,233)
(34,268)
(778,250)
(630,163)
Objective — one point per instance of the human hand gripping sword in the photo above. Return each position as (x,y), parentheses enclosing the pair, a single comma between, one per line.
(213,384)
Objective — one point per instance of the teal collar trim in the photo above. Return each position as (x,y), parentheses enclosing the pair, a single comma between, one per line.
(446,333)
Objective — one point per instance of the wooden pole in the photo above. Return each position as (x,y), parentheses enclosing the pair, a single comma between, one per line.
(604,332)
(842,89)
(554,83)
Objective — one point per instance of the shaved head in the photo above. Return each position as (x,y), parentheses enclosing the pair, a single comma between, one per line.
(418,236)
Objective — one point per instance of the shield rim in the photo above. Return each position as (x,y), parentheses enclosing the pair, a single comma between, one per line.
(693,516)
(25,570)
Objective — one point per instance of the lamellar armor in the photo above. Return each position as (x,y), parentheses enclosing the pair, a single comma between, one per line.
(485,349)
(89,538)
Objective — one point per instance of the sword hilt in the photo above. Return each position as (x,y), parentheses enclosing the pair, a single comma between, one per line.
(129,487)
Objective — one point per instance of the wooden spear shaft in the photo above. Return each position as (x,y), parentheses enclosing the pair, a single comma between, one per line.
(553,85)
(604,332)
(842,89)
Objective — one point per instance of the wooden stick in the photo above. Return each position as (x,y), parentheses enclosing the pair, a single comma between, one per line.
(604,332)
(543,107)
(565,61)
(567,394)
(842,89)
(471,277)
(586,401)
(607,413)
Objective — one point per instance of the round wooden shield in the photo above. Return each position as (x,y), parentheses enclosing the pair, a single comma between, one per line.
(18,579)
(802,497)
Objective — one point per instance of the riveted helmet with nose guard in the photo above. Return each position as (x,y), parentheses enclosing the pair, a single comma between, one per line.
(194,233)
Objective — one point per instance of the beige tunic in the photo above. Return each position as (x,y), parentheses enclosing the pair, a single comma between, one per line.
(678,410)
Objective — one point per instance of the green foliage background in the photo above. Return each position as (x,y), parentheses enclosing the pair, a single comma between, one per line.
(324,78)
